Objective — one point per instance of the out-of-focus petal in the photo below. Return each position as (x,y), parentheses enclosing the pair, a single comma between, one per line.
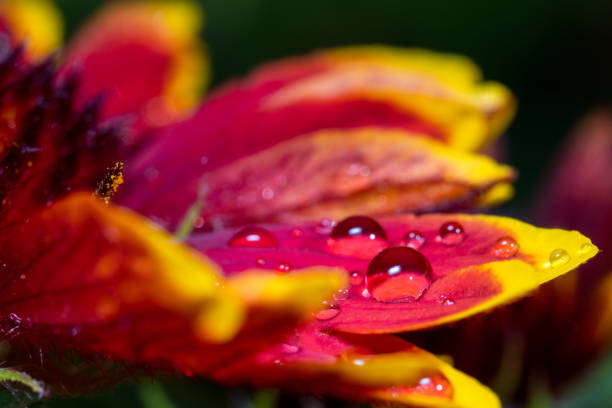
(334,174)
(444,91)
(88,277)
(496,260)
(37,23)
(347,93)
(381,368)
(145,57)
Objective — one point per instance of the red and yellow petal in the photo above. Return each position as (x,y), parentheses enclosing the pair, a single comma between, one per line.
(37,23)
(331,173)
(145,57)
(469,277)
(101,280)
(444,92)
(382,369)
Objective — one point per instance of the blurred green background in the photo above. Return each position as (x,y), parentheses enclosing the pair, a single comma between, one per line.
(555,56)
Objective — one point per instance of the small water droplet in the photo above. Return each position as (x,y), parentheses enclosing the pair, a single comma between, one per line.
(365,293)
(359,362)
(22,276)
(434,385)
(413,239)
(253,237)
(451,233)
(283,267)
(586,248)
(398,274)
(267,193)
(198,222)
(357,236)
(356,278)
(260,262)
(327,314)
(558,257)
(340,295)
(296,232)
(505,247)
(325,226)
(289,349)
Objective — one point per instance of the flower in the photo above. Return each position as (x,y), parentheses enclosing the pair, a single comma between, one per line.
(370,130)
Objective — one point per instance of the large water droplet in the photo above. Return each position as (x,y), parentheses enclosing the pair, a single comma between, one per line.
(505,247)
(357,236)
(413,239)
(398,274)
(451,233)
(558,257)
(253,237)
(358,226)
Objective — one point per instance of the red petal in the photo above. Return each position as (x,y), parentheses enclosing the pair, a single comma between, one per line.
(356,367)
(144,57)
(94,279)
(468,277)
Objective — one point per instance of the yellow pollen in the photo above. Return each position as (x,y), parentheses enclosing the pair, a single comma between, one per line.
(111,181)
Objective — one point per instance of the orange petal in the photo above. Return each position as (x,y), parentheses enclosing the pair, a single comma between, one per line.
(145,57)
(382,369)
(331,173)
(338,173)
(92,278)
(37,23)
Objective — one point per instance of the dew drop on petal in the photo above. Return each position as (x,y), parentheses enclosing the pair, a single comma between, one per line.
(505,247)
(340,295)
(451,233)
(296,232)
(358,226)
(289,348)
(356,278)
(283,267)
(435,385)
(260,262)
(254,237)
(357,236)
(558,257)
(413,239)
(586,248)
(325,226)
(327,314)
(398,274)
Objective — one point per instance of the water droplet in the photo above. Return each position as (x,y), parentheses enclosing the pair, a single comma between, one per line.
(413,239)
(325,226)
(358,226)
(267,193)
(434,385)
(327,314)
(451,233)
(357,236)
(283,267)
(505,247)
(340,295)
(558,257)
(359,362)
(260,262)
(198,222)
(586,248)
(356,278)
(253,237)
(446,301)
(398,274)
(296,232)
(289,349)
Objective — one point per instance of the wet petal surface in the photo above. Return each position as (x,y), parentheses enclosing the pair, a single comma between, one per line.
(469,274)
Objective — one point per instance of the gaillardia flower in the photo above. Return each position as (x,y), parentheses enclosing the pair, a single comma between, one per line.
(293,302)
